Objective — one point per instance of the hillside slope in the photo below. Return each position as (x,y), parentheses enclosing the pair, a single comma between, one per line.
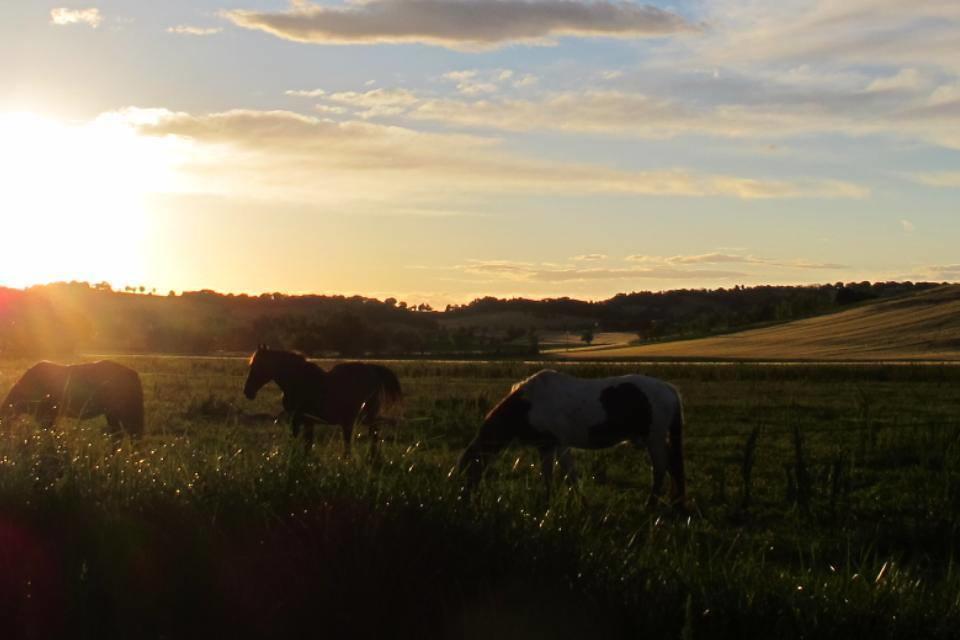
(922,326)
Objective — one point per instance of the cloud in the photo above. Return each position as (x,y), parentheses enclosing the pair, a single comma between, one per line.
(945,272)
(468,84)
(62,16)
(932,273)
(943,179)
(305,93)
(526,80)
(461,24)
(908,227)
(926,117)
(292,156)
(332,110)
(187,30)
(531,272)
(474,82)
(872,32)
(729,258)
(590,257)
(377,102)
(904,80)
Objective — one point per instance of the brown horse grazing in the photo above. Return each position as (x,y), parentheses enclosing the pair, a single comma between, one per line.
(554,412)
(51,391)
(350,393)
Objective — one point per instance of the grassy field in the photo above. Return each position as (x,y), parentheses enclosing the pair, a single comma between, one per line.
(922,326)
(824,503)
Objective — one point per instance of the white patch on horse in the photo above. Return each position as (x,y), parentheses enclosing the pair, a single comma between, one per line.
(568,407)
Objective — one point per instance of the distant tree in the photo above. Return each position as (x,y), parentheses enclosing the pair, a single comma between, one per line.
(347,334)
(587,336)
(390,302)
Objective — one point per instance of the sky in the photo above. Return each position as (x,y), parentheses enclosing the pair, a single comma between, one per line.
(443,150)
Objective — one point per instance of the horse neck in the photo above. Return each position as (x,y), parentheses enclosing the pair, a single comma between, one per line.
(290,375)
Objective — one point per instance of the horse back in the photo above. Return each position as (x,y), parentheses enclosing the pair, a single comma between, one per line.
(117,389)
(598,412)
(351,387)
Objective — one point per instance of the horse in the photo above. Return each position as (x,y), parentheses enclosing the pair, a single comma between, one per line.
(350,393)
(52,391)
(555,412)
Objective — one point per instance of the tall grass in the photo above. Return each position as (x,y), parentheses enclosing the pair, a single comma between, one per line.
(212,525)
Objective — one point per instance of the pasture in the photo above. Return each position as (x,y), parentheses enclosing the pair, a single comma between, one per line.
(823,503)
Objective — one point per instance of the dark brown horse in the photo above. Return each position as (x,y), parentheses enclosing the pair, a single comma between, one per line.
(51,391)
(348,394)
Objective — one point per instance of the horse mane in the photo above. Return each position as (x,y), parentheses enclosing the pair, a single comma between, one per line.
(538,375)
(284,355)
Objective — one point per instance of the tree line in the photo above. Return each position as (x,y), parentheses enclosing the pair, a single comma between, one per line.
(77,316)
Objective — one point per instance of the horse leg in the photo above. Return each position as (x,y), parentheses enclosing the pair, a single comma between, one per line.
(658,458)
(113,425)
(566,465)
(548,455)
(374,440)
(308,428)
(347,437)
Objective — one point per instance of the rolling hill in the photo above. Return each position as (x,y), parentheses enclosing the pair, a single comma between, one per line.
(920,326)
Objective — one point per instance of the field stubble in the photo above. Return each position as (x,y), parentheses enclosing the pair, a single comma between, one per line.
(823,504)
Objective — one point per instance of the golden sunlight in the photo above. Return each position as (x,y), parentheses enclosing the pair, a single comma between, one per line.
(73,200)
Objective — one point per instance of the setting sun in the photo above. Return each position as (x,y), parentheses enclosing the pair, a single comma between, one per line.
(74,198)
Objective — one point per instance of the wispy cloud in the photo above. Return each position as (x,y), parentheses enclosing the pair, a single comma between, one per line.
(63,16)
(377,102)
(305,93)
(187,30)
(473,82)
(533,272)
(461,24)
(874,32)
(469,84)
(590,257)
(943,179)
(932,273)
(618,112)
(290,155)
(730,258)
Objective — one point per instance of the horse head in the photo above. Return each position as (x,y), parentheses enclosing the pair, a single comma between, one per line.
(261,372)
(18,400)
(10,407)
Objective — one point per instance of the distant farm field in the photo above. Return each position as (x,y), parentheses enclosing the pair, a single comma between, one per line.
(824,502)
(918,326)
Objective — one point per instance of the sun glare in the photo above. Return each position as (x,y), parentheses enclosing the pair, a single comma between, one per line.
(73,199)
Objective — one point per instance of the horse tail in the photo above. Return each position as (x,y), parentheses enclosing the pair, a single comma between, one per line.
(133,416)
(675,453)
(390,391)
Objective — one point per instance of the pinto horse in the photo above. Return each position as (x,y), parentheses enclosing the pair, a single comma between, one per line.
(51,391)
(554,411)
(348,394)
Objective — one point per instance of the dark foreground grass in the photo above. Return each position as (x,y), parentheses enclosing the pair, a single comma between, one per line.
(823,504)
